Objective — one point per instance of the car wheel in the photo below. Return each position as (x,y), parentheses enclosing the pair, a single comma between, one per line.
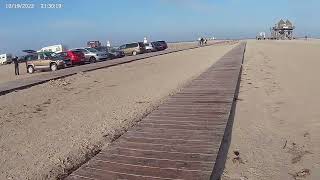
(54,67)
(92,60)
(134,53)
(30,69)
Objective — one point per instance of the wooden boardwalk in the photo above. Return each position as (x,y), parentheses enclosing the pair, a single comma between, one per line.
(179,140)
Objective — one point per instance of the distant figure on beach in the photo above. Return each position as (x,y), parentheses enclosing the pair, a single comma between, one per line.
(108,44)
(306,37)
(16,65)
(145,41)
(205,41)
(201,41)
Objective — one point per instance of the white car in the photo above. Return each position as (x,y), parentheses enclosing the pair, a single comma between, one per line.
(5,58)
(92,55)
(149,47)
(55,48)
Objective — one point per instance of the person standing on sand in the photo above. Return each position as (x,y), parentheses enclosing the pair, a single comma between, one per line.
(201,41)
(16,65)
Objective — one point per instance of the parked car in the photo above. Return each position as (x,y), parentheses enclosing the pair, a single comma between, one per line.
(163,43)
(5,58)
(113,53)
(158,46)
(133,48)
(150,47)
(92,55)
(77,57)
(43,61)
(116,53)
(64,56)
(93,44)
(55,48)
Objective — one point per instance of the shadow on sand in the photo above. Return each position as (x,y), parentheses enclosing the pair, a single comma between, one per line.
(225,144)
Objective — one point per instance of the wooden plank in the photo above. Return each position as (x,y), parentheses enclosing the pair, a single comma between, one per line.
(181,138)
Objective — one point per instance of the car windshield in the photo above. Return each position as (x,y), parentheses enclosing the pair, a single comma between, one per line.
(155,43)
(113,49)
(31,57)
(49,54)
(101,49)
(59,56)
(63,54)
(91,50)
(77,52)
(141,44)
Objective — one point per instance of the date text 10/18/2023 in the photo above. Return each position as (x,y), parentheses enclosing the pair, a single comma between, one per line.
(33,6)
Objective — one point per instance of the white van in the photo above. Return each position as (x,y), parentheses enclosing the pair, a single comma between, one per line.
(55,48)
(5,58)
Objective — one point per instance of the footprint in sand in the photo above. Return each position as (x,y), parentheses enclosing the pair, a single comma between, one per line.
(301,174)
(297,153)
(47,102)
(306,135)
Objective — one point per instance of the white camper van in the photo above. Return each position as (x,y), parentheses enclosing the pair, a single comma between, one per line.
(5,58)
(55,48)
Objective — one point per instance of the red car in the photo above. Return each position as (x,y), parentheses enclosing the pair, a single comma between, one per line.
(77,57)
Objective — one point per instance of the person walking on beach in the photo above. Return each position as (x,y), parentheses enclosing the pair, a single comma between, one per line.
(201,41)
(16,65)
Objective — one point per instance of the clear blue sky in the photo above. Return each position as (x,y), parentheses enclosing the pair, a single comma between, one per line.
(130,20)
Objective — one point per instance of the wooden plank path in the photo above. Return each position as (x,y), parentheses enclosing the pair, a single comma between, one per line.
(179,140)
(19,84)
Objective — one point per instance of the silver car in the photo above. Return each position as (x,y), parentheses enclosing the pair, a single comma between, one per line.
(92,55)
(150,47)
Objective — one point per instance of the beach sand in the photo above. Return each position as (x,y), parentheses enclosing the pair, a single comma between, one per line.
(50,128)
(7,71)
(277,121)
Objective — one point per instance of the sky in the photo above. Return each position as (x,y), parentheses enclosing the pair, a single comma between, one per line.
(120,21)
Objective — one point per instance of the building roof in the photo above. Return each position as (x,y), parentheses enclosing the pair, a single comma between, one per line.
(281,23)
(289,23)
(284,25)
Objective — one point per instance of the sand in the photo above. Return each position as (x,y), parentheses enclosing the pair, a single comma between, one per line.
(277,120)
(7,71)
(50,128)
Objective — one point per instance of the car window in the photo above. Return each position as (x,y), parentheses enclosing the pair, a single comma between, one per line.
(82,50)
(122,47)
(78,52)
(141,44)
(132,45)
(103,49)
(91,50)
(62,55)
(31,57)
(162,42)
(41,56)
(65,54)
